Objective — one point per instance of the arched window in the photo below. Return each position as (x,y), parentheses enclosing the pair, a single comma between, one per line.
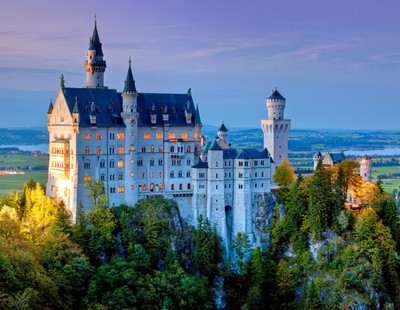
(172,149)
(188,149)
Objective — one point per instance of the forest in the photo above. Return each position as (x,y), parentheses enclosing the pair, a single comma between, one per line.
(324,254)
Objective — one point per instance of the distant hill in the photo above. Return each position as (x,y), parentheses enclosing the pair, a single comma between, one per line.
(23,136)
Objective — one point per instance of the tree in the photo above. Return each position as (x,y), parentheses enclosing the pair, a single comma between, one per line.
(97,192)
(284,175)
(241,245)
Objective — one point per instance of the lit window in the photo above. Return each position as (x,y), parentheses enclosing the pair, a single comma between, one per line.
(160,149)
(147,136)
(132,147)
(99,136)
(86,136)
(159,135)
(143,187)
(98,151)
(160,186)
(152,149)
(132,161)
(87,151)
(86,178)
(183,135)
(171,135)
(121,189)
(152,187)
(120,150)
(120,163)
(120,136)
(132,174)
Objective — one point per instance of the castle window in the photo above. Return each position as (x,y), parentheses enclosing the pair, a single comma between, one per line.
(188,186)
(172,174)
(240,175)
(240,186)
(131,147)
(152,149)
(188,162)
(112,136)
(112,163)
(98,151)
(120,163)
(132,174)
(146,136)
(132,161)
(171,135)
(140,162)
(86,178)
(216,186)
(255,185)
(183,135)
(246,163)
(255,174)
(160,149)
(99,136)
(110,109)
(240,163)
(188,174)
(143,175)
(159,135)
(262,184)
(86,165)
(262,174)
(121,189)
(102,177)
(181,186)
(256,163)
(132,187)
(120,150)
(120,136)
(86,136)
(160,174)
(143,187)
(172,187)
(112,190)
(216,175)
(160,186)
(152,187)
(102,163)
(87,151)
(172,149)
(120,176)
(143,149)
(160,162)
(112,177)
(262,163)
(151,162)
(202,175)
(180,174)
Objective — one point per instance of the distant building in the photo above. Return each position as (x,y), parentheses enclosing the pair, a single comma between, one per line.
(365,168)
(329,159)
(142,144)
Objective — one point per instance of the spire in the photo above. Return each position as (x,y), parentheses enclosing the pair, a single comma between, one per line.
(223,128)
(94,43)
(129,81)
(50,107)
(75,110)
(276,95)
(197,120)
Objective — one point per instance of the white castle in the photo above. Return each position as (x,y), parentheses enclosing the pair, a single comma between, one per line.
(143,144)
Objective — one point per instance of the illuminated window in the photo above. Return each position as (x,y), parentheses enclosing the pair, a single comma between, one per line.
(152,149)
(131,147)
(152,187)
(121,189)
(120,163)
(160,186)
(120,136)
(69,136)
(120,150)
(171,135)
(159,135)
(160,149)
(132,174)
(86,136)
(86,178)
(132,161)
(183,135)
(99,136)
(146,136)
(143,187)
(87,151)
(98,151)
(196,135)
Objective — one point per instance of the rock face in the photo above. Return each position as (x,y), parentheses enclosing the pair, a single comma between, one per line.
(263,211)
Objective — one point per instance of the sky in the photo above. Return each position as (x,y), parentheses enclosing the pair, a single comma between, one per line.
(337,63)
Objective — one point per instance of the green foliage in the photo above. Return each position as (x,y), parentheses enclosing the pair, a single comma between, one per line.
(241,245)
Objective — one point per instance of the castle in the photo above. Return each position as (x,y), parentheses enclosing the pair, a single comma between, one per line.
(142,144)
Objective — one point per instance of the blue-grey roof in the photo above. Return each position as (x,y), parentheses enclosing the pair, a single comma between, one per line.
(215,146)
(197,120)
(50,108)
(129,81)
(245,154)
(201,165)
(94,44)
(337,157)
(276,95)
(173,104)
(222,128)
(107,105)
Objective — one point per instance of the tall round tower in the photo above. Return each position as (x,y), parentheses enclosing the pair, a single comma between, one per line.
(276,129)
(94,64)
(365,168)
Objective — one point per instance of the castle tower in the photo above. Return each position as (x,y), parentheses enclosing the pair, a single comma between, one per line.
(223,133)
(198,135)
(276,129)
(94,64)
(316,158)
(365,168)
(130,116)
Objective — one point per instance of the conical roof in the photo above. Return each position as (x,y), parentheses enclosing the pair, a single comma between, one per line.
(276,95)
(50,107)
(129,81)
(222,128)
(94,44)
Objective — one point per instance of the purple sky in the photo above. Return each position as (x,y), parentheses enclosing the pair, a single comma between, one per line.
(336,62)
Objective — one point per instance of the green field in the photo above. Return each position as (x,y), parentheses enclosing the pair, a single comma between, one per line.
(388,184)
(14,182)
(18,161)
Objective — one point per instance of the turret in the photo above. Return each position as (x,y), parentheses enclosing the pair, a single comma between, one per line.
(49,111)
(365,168)
(317,158)
(75,113)
(276,105)
(129,95)
(92,115)
(95,65)
(223,133)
